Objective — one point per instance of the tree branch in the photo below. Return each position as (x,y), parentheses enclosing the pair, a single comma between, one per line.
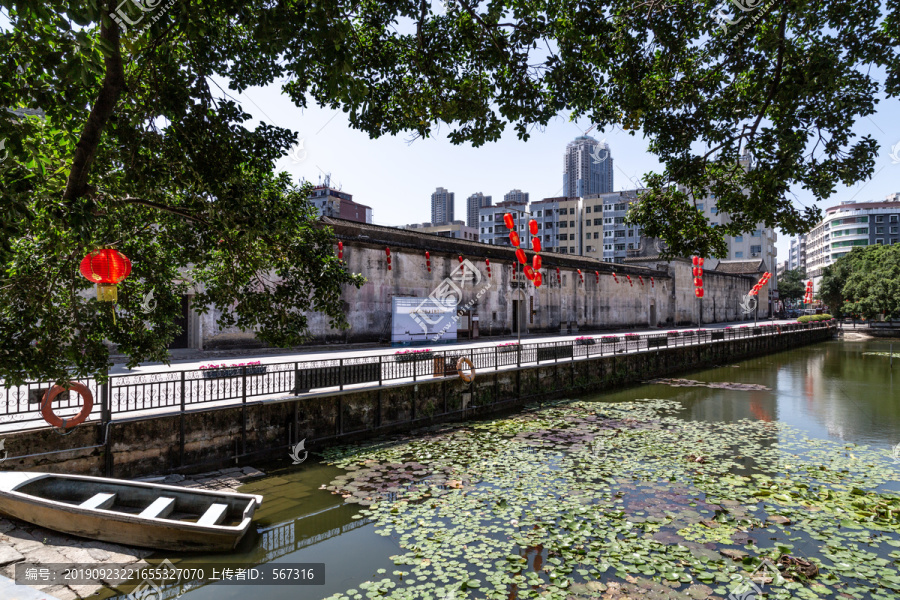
(113,85)
(163,207)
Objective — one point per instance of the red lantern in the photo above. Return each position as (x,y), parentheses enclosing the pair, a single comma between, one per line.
(536,262)
(536,244)
(700,261)
(520,254)
(558,277)
(510,222)
(428,260)
(597,273)
(532,227)
(340,250)
(651,282)
(529,273)
(697,271)
(387,252)
(698,281)
(699,292)
(614,277)
(106,268)
(514,239)
(694,260)
(641,279)
(487,263)
(462,267)
(580,276)
(538,280)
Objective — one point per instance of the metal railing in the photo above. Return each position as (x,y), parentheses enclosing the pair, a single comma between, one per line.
(172,392)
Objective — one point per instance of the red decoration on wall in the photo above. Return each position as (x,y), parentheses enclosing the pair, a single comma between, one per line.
(558,277)
(580,275)
(651,282)
(597,273)
(699,292)
(340,250)
(614,277)
(487,263)
(428,260)
(520,254)
(105,267)
(641,279)
(387,252)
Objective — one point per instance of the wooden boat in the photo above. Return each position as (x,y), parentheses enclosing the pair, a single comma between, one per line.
(133,513)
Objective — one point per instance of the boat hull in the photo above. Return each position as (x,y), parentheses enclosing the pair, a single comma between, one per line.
(128,529)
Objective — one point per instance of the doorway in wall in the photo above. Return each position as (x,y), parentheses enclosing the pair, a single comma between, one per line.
(652,313)
(181,340)
(515,316)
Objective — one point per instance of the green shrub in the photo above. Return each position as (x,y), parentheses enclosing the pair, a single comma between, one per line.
(813,318)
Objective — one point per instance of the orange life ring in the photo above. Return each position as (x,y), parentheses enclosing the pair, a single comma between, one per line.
(460,364)
(56,390)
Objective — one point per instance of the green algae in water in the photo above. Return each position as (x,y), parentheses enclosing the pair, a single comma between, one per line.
(580,500)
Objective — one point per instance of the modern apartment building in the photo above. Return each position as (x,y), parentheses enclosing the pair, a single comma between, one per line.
(330,202)
(559,224)
(850,225)
(797,253)
(474,204)
(588,168)
(612,240)
(454,229)
(491,228)
(517,196)
(442,206)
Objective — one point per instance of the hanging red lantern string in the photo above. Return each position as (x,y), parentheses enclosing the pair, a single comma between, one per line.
(509,221)
(529,273)
(462,267)
(514,239)
(105,267)
(428,260)
(651,282)
(538,280)
(520,254)
(641,279)
(514,269)
(631,283)
(340,250)
(487,263)
(536,262)
(614,277)
(533,227)
(387,252)
(536,244)
(558,277)
(697,272)
(580,275)
(597,273)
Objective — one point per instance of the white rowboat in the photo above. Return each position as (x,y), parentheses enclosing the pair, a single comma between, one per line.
(150,515)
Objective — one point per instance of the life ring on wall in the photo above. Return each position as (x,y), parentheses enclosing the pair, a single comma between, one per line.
(56,390)
(463,363)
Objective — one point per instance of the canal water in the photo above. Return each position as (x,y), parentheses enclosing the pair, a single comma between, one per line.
(671,489)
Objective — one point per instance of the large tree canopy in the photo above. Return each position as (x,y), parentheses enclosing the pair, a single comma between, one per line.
(139,148)
(865,282)
(791,284)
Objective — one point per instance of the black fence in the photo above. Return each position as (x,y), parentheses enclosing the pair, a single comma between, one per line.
(178,391)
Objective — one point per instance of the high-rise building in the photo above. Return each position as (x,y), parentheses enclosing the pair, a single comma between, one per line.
(442,206)
(517,196)
(616,236)
(474,204)
(797,255)
(559,224)
(454,229)
(588,168)
(849,225)
(492,229)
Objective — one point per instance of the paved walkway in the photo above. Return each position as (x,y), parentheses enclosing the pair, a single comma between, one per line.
(193,359)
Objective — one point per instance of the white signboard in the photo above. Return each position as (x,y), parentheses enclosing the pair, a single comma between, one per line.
(421,319)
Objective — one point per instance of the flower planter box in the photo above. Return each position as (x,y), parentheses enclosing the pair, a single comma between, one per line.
(757,330)
(445,366)
(308,379)
(411,356)
(554,352)
(586,342)
(510,348)
(717,335)
(609,340)
(657,342)
(233,371)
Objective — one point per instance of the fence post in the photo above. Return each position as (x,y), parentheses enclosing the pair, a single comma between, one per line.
(296,380)
(181,448)
(518,355)
(106,424)
(244,410)
(415,363)
(380,373)
(496,359)
(341,374)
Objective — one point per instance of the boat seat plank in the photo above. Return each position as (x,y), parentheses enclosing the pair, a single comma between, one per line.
(101,500)
(161,508)
(214,515)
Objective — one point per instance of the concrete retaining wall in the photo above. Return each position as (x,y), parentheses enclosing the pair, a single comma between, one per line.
(221,437)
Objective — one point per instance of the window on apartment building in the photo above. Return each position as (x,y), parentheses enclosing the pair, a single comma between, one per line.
(893,241)
(895,218)
(714,209)
(620,234)
(631,246)
(572,211)
(607,234)
(539,213)
(547,238)
(739,255)
(620,247)
(571,223)
(893,230)
(701,207)
(879,230)
(563,224)
(755,250)
(621,206)
(630,233)
(598,221)
(557,236)
(596,235)
(482,230)
(619,220)
(879,241)
(738,239)
(756,233)
(548,225)
(562,249)
(607,207)
(587,209)
(879,219)
(571,249)
(607,220)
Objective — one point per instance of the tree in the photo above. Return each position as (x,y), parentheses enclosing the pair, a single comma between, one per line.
(864,282)
(140,147)
(791,285)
